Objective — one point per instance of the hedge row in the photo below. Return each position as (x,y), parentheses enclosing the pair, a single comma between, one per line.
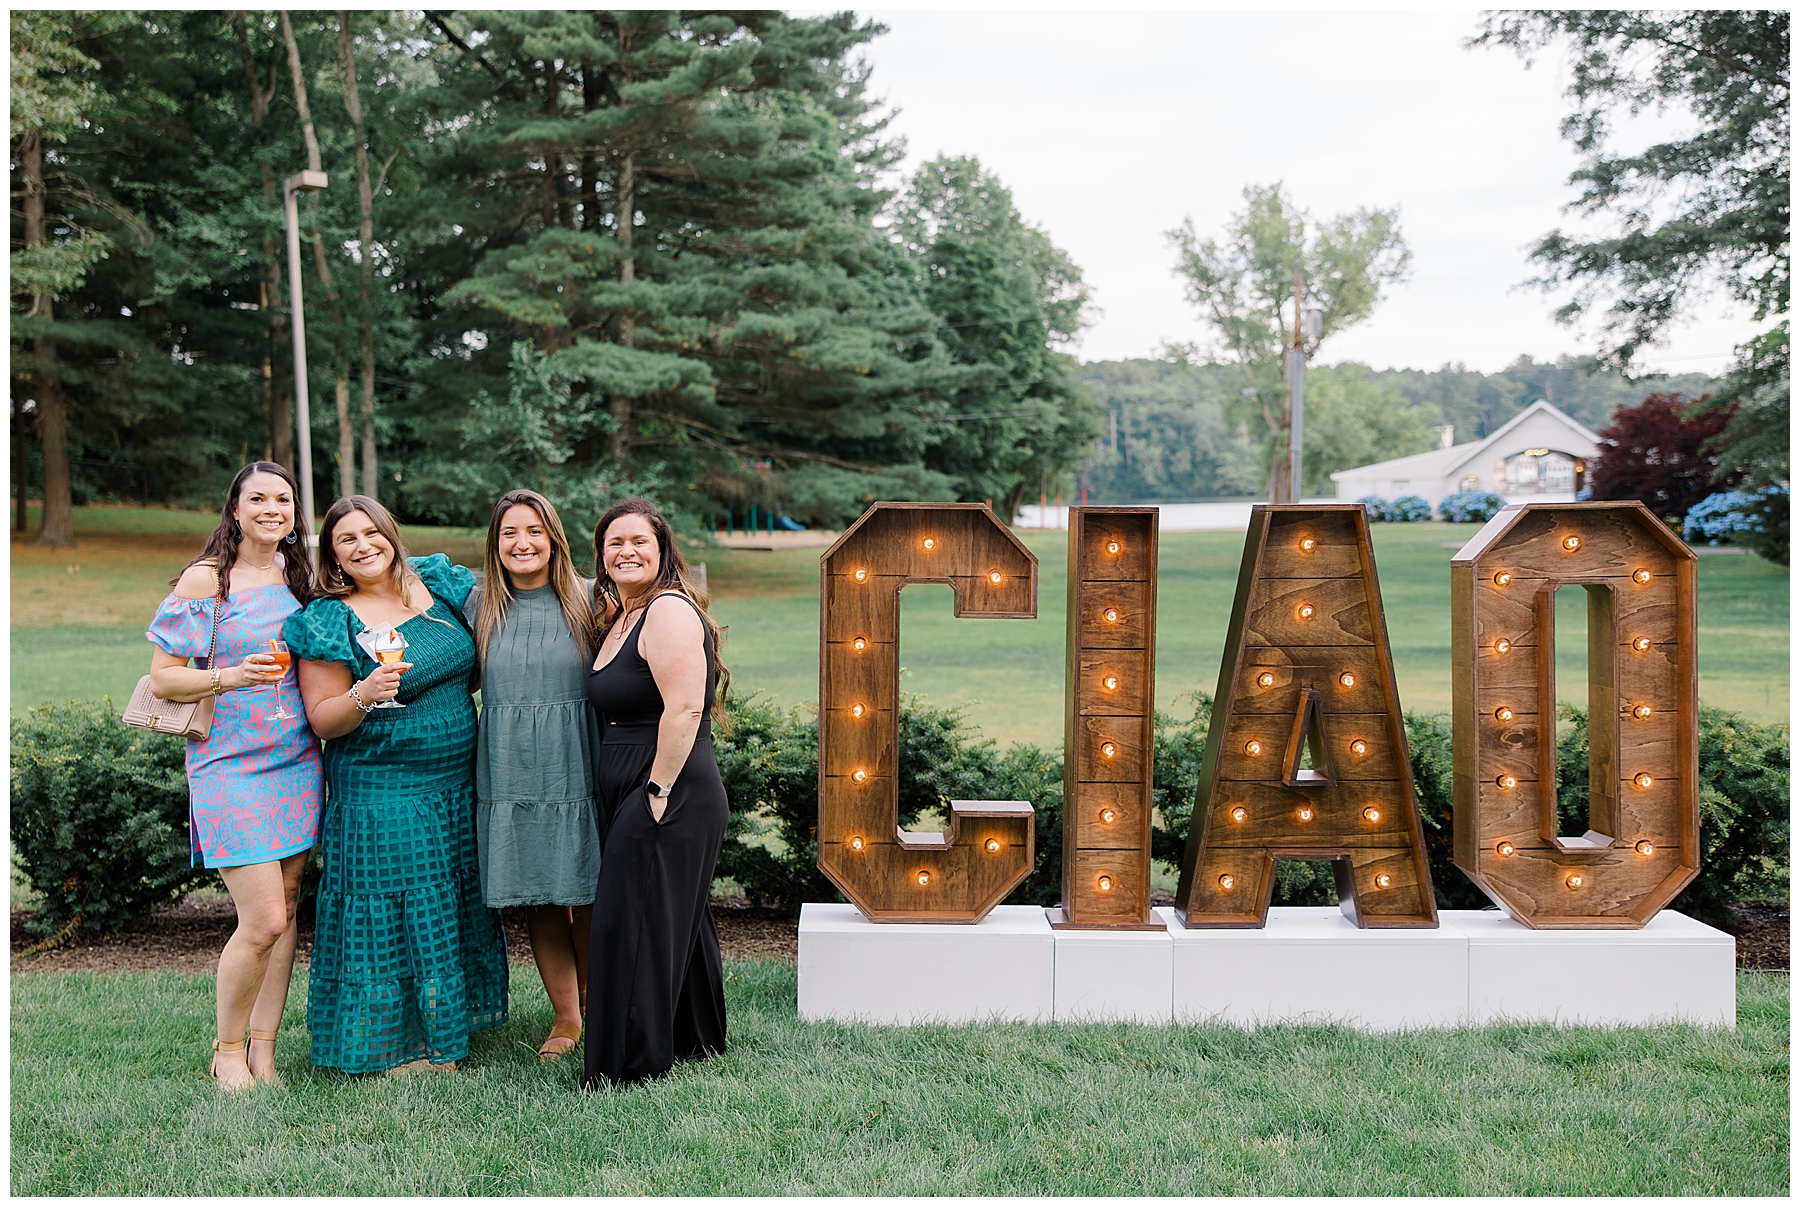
(99,810)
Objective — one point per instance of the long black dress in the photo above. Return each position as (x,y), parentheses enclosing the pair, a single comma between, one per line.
(656,986)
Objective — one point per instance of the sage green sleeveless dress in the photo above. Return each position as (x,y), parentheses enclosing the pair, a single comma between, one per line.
(406,959)
(535,817)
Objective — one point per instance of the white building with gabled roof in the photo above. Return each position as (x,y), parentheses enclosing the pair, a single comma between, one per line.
(1539,455)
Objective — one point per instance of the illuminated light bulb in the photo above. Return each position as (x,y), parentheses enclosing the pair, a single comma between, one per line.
(1265,680)
(1640,644)
(1646,847)
(1113,546)
(1502,646)
(857,710)
(1305,813)
(1502,578)
(856,843)
(1359,748)
(1371,814)
(1571,543)
(929,542)
(861,575)
(1642,779)
(1641,712)
(992,846)
(1347,679)
(1503,713)
(1640,575)
(1306,612)
(860,643)
(1108,749)
(994,576)
(859,776)
(1253,747)
(1239,814)
(1383,880)
(1577,880)
(924,879)
(1107,816)
(1226,881)
(1110,683)
(1105,883)
(1506,781)
(1505,849)
(1111,615)
(1307,545)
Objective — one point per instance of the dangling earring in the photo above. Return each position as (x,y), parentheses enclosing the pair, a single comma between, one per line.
(292,537)
(237,533)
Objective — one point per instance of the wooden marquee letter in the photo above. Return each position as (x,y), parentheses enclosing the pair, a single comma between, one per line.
(1307,671)
(1643,838)
(1109,697)
(892,875)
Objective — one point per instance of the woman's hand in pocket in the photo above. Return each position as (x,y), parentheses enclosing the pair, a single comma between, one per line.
(659,805)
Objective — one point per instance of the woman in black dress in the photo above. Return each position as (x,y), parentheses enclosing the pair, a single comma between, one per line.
(656,985)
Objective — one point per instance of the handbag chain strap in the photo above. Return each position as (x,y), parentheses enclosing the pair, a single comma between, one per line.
(218,602)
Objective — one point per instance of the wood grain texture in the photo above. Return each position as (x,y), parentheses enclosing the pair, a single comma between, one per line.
(1507,841)
(1384,877)
(1112,564)
(861,847)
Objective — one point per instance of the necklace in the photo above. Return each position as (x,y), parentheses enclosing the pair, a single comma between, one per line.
(244,561)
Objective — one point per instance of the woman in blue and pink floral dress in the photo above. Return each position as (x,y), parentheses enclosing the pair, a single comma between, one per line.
(255,783)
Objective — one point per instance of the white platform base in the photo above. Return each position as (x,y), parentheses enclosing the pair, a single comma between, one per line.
(1309,964)
(1002,968)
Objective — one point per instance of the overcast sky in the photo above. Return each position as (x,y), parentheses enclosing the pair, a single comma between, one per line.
(1111,127)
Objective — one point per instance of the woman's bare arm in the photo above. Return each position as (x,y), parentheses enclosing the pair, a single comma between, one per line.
(673,642)
(171,678)
(325,688)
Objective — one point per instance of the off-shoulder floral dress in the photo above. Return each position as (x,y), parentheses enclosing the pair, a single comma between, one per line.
(255,785)
(407,961)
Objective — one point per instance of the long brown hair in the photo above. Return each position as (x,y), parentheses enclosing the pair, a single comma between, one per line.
(334,581)
(671,575)
(497,588)
(222,545)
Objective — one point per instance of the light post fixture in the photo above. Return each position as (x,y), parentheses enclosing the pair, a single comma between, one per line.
(1309,326)
(301,182)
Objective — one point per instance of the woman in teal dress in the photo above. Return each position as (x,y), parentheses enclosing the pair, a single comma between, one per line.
(407,961)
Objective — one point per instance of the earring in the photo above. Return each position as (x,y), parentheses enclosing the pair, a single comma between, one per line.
(292,537)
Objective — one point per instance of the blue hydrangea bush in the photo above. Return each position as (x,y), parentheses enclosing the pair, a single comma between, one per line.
(1375,505)
(1409,509)
(1470,506)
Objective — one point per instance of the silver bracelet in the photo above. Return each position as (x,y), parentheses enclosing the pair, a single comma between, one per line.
(355,695)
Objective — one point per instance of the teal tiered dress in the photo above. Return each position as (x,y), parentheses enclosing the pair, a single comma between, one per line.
(407,961)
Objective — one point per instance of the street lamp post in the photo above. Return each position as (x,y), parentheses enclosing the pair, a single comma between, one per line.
(301,182)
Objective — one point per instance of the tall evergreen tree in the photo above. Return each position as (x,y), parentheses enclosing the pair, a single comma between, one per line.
(1004,297)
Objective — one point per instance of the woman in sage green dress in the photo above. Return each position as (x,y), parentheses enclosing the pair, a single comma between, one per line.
(407,962)
(535,819)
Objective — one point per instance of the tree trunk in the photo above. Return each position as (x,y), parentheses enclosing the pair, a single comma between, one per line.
(365,234)
(622,229)
(18,468)
(322,266)
(52,406)
(590,101)
(278,398)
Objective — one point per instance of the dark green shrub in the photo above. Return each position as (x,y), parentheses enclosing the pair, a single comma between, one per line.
(1744,852)
(1428,745)
(99,817)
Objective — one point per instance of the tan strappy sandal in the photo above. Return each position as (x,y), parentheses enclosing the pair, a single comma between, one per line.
(568,1031)
(269,1038)
(226,1045)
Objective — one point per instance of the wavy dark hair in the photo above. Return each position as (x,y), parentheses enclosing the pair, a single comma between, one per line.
(671,575)
(221,548)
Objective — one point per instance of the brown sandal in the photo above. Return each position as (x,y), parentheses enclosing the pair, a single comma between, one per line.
(269,1038)
(225,1045)
(568,1031)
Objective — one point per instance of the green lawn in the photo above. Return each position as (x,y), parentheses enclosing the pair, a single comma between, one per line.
(109,1096)
(80,632)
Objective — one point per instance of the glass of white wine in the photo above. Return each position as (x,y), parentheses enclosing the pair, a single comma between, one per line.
(390,648)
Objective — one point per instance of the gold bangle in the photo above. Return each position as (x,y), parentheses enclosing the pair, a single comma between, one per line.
(217,688)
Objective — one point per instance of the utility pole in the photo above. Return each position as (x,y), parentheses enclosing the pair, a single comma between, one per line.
(301,182)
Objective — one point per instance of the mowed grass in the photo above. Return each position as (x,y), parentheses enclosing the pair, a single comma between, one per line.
(109,1096)
(79,632)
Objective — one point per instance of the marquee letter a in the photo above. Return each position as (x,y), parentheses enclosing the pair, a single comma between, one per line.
(1306,756)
